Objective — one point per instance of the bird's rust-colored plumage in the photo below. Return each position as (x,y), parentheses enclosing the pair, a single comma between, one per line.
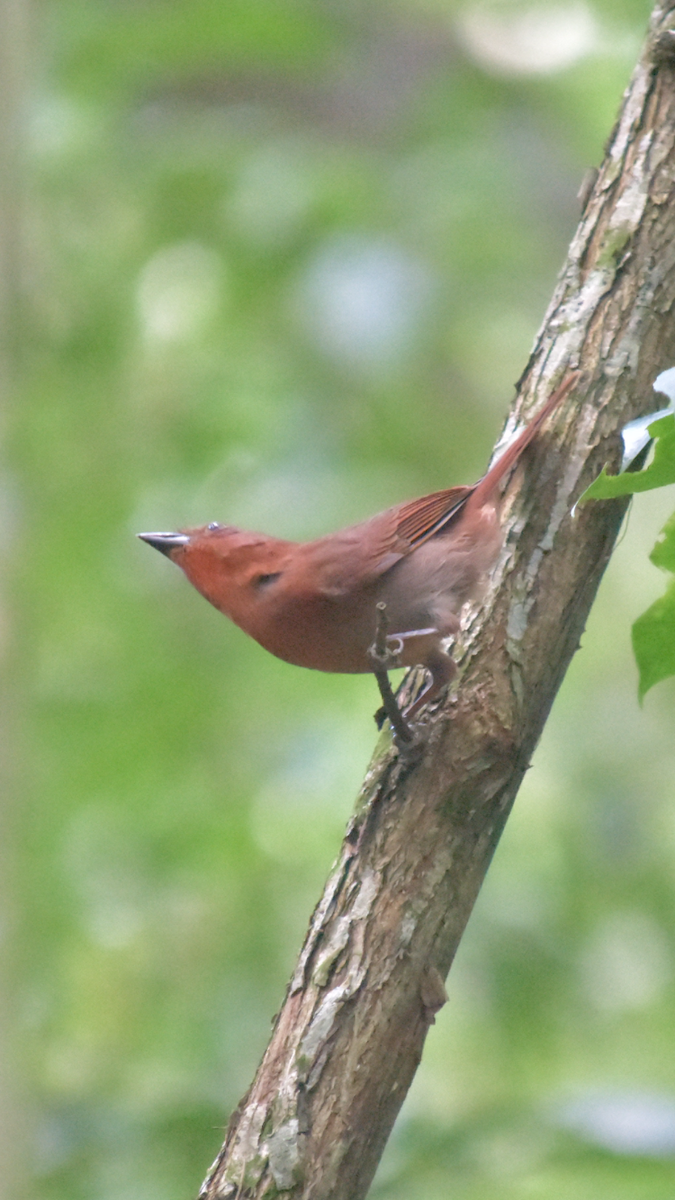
(314,603)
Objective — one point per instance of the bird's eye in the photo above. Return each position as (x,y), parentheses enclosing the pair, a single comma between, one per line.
(262,581)
(213,525)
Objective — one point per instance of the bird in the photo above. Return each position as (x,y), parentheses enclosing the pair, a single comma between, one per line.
(315,604)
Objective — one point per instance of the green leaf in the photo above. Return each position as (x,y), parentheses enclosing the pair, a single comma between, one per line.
(659,473)
(663,554)
(653,632)
(654,641)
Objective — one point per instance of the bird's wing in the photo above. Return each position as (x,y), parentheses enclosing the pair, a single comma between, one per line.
(359,555)
(421,519)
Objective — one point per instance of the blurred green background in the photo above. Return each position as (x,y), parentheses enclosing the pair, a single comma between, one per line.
(279,263)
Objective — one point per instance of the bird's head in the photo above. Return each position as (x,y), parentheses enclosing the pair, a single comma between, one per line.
(230,567)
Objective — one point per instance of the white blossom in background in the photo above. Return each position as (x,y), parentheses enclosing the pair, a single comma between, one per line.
(509,37)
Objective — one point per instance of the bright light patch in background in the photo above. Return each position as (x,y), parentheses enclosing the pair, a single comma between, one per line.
(512,38)
(362,301)
(59,126)
(179,292)
(627,963)
(274,193)
(640,1123)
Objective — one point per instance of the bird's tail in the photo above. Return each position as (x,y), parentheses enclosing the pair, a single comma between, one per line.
(485,486)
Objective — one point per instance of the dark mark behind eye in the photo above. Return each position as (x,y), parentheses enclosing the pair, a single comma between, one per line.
(263,581)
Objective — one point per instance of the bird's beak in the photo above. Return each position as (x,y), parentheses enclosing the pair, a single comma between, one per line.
(166,542)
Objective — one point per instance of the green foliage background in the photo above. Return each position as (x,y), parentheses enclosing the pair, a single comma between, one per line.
(282,262)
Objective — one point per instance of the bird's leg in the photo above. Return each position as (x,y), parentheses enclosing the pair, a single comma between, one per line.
(385,656)
(442,670)
(423,647)
(415,646)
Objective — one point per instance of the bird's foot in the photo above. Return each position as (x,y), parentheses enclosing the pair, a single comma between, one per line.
(384,655)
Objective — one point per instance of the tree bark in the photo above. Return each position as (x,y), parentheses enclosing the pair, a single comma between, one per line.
(369,979)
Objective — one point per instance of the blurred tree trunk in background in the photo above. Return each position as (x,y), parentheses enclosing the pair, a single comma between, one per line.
(13,39)
(349,1037)
(13,24)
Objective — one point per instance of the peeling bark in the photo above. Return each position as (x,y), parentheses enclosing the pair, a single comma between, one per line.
(369,979)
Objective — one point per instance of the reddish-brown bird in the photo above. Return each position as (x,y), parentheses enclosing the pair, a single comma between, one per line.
(314,603)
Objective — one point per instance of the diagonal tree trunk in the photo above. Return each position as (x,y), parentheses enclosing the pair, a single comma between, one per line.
(369,979)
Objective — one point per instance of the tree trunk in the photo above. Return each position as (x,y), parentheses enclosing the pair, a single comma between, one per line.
(369,979)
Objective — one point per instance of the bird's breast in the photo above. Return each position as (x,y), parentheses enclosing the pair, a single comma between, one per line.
(322,633)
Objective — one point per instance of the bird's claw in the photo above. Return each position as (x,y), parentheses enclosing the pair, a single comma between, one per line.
(388,658)
(384,655)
